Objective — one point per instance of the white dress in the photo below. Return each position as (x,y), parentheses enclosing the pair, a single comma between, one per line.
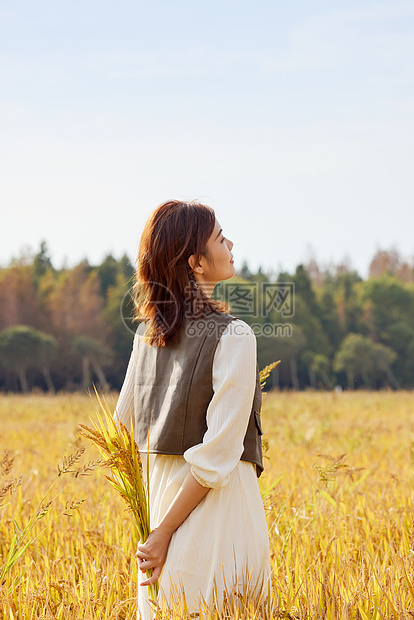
(223,544)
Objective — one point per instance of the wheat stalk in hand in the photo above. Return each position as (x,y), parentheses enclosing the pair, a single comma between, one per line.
(116,443)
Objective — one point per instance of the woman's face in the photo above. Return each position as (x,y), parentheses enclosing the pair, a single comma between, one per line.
(218,264)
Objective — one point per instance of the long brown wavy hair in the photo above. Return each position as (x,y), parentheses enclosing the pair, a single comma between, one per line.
(165,289)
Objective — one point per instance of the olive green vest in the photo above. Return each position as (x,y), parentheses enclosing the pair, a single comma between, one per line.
(174,386)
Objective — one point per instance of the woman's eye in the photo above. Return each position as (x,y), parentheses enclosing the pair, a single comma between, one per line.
(222,240)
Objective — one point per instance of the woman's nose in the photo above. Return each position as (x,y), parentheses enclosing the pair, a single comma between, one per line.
(230,244)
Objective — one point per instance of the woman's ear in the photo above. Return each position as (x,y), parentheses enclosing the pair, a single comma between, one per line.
(192,263)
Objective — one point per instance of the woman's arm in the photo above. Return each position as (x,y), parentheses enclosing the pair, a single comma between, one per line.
(153,553)
(228,414)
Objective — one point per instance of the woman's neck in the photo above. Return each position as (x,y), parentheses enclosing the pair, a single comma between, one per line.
(206,287)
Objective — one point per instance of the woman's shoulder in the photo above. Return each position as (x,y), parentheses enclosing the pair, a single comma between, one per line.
(237,346)
(236,328)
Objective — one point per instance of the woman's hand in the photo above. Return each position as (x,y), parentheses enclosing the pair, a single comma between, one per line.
(153,553)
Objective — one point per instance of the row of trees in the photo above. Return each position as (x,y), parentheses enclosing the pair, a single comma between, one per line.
(346,331)
(64,328)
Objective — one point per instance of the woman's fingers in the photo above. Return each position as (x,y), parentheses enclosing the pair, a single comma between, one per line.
(154,577)
(147,564)
(147,557)
(152,554)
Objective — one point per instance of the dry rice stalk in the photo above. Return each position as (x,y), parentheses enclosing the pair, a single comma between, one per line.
(265,372)
(328,472)
(6,463)
(23,536)
(122,457)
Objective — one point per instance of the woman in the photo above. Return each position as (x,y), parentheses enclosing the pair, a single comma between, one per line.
(193,391)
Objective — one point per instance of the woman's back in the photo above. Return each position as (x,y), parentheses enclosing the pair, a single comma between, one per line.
(195,400)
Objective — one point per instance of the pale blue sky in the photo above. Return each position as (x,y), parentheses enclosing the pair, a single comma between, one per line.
(294,120)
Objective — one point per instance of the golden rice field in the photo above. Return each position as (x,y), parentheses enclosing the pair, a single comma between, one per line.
(340,516)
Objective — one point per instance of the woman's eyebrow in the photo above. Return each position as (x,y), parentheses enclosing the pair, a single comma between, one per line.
(221,230)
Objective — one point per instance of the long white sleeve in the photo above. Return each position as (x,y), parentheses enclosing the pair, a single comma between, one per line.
(234,383)
(125,405)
